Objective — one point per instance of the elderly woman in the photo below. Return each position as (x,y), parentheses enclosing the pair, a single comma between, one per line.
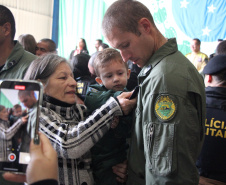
(65,123)
(7,132)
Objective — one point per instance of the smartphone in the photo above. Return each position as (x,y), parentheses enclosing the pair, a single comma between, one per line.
(19,122)
(135,92)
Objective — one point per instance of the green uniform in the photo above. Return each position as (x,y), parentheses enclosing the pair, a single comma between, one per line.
(168,132)
(111,149)
(17,63)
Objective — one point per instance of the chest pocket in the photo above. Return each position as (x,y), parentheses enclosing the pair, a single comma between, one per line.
(159,146)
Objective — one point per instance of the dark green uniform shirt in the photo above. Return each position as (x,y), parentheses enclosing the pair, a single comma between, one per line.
(169,128)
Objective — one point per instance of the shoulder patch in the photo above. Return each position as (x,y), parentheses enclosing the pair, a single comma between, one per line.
(165,107)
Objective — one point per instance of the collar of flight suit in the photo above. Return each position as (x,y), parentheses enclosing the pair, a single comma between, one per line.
(168,48)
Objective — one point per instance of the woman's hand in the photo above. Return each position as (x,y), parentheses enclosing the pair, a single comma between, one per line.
(24,119)
(126,104)
(121,171)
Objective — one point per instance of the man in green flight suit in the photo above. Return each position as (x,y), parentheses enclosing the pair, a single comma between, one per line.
(168,131)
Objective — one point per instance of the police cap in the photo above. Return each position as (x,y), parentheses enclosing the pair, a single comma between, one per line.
(215,65)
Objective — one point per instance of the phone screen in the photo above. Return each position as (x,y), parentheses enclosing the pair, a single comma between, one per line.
(19,122)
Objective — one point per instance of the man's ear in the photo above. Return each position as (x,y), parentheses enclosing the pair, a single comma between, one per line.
(145,25)
(7,28)
(98,80)
(128,73)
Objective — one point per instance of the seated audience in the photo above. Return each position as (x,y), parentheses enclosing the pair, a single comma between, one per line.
(45,46)
(28,42)
(64,122)
(197,58)
(211,162)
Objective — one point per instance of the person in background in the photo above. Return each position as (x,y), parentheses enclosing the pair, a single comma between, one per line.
(211,162)
(168,129)
(42,168)
(97,44)
(112,76)
(221,48)
(213,54)
(91,64)
(14,60)
(28,42)
(71,133)
(197,58)
(103,46)
(82,75)
(80,48)
(45,46)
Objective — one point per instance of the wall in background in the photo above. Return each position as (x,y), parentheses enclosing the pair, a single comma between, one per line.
(32,17)
(183,19)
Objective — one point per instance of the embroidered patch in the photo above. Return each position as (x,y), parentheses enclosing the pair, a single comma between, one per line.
(165,107)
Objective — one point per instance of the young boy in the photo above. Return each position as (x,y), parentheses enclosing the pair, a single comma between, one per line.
(16,113)
(112,75)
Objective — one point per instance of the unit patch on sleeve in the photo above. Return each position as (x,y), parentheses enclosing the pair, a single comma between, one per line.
(165,107)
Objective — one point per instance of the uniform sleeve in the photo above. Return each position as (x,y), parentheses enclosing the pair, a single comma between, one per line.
(73,141)
(94,99)
(11,131)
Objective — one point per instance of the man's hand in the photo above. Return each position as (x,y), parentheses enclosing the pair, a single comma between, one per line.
(126,104)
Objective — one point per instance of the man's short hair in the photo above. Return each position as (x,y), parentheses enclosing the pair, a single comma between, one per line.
(99,40)
(124,15)
(105,57)
(7,16)
(104,46)
(196,39)
(221,48)
(51,44)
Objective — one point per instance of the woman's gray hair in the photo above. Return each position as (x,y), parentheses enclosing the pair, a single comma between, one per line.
(43,67)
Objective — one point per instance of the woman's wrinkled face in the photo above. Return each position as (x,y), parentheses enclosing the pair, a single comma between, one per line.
(4,114)
(61,84)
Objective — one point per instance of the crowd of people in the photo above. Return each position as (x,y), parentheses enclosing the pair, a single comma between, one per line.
(92,132)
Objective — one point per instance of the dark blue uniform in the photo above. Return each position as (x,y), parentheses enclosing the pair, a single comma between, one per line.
(211,162)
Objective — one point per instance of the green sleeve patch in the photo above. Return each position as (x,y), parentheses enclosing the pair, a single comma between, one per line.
(165,107)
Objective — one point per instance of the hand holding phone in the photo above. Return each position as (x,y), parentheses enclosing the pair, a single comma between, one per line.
(135,92)
(18,129)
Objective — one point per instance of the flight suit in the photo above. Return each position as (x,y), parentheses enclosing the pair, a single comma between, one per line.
(169,127)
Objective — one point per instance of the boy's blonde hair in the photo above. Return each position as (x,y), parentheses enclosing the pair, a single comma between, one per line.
(105,57)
